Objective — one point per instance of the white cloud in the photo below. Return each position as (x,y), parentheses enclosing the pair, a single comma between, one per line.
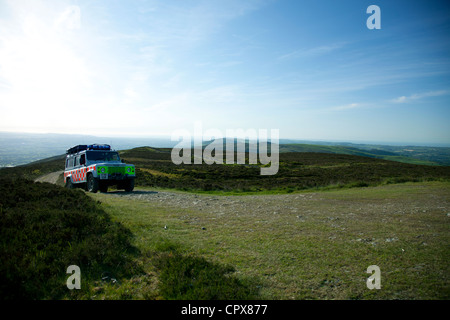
(418,96)
(401,99)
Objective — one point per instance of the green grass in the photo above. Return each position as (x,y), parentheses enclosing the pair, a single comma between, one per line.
(321,251)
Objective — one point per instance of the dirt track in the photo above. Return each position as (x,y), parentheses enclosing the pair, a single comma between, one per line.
(50,177)
(268,204)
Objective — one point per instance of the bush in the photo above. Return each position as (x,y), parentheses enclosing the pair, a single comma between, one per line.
(45,228)
(194,278)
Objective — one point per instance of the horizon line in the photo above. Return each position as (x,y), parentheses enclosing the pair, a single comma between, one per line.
(168,137)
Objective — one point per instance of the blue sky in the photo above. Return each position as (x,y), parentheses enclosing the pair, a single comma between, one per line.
(311,69)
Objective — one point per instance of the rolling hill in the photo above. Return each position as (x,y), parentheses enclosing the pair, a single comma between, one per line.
(297,171)
(422,156)
(312,168)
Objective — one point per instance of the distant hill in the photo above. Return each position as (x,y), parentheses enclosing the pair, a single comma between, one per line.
(414,155)
(34,169)
(407,154)
(22,148)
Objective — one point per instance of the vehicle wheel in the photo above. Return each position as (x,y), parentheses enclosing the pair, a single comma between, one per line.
(129,186)
(69,184)
(92,184)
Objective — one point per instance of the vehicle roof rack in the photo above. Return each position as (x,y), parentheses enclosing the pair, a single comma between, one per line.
(82,147)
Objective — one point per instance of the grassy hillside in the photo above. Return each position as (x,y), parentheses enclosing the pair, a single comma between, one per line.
(393,154)
(308,169)
(34,169)
(298,171)
(44,229)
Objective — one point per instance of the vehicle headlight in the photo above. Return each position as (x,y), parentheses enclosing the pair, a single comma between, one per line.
(102,170)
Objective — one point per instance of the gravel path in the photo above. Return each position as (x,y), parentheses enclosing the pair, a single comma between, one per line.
(330,208)
(263,204)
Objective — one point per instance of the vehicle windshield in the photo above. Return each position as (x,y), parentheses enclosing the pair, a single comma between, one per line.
(102,156)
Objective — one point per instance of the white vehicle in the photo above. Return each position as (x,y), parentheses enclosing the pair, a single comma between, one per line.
(96,167)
